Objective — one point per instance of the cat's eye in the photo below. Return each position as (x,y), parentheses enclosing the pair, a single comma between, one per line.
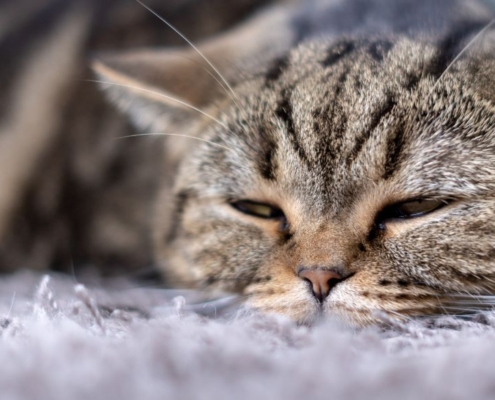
(410,209)
(418,208)
(261,210)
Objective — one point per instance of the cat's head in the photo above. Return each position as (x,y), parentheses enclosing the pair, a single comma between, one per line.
(342,177)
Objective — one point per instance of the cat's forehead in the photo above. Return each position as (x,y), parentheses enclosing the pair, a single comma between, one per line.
(329,118)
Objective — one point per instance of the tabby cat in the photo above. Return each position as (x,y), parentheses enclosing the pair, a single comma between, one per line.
(332,158)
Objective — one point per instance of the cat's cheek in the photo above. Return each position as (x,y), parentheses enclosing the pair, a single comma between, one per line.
(305,313)
(363,300)
(286,295)
(351,306)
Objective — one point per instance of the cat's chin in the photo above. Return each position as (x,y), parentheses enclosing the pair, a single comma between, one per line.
(311,315)
(303,312)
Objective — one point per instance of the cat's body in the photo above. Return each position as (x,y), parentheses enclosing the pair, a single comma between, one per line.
(326,158)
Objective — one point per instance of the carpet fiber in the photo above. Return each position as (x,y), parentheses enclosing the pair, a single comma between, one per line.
(60,340)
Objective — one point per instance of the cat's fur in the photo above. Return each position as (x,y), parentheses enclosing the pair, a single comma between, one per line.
(331,128)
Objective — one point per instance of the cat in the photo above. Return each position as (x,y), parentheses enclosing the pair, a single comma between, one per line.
(326,158)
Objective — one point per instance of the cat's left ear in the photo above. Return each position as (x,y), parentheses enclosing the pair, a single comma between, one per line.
(160,89)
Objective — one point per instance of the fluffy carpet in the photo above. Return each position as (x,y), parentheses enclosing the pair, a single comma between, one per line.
(60,340)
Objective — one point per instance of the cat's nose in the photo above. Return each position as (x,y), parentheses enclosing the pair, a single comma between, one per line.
(322,281)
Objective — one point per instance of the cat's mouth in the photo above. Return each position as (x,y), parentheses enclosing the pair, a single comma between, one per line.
(356,306)
(360,299)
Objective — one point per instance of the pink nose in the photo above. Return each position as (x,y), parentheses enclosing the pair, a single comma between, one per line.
(322,281)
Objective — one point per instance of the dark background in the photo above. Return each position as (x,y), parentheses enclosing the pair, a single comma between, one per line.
(83,198)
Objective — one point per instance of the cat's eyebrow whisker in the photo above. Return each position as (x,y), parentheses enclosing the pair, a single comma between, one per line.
(189,43)
(175,134)
(210,73)
(224,84)
(162,95)
(218,81)
(461,53)
(452,63)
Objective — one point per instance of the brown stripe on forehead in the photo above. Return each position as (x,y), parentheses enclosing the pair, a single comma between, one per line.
(377,116)
(450,46)
(267,163)
(333,119)
(284,112)
(337,117)
(395,144)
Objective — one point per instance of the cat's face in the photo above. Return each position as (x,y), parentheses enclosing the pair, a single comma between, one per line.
(343,179)
(347,163)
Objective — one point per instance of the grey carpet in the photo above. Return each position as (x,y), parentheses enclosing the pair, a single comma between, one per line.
(60,340)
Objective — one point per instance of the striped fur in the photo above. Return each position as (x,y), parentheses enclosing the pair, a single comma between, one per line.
(332,128)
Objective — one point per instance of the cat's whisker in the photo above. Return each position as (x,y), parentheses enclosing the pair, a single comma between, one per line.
(475,296)
(455,306)
(441,305)
(463,311)
(480,304)
(206,70)
(468,303)
(162,95)
(199,282)
(189,43)
(463,295)
(224,84)
(400,315)
(419,97)
(478,290)
(438,316)
(456,58)
(463,51)
(177,135)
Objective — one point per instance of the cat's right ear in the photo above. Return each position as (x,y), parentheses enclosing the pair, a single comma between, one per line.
(150,87)
(162,90)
